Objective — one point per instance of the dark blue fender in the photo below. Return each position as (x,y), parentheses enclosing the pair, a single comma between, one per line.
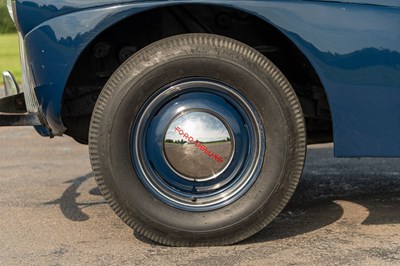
(354,47)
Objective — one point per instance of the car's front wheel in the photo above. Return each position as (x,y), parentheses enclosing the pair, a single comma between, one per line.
(197,140)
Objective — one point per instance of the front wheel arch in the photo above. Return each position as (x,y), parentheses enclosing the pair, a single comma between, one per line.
(91,71)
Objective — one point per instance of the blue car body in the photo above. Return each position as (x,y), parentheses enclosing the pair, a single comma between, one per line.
(198,113)
(353,46)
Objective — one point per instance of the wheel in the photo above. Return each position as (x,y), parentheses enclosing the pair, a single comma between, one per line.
(197,140)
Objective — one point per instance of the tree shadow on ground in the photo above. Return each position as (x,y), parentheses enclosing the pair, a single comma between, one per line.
(70,207)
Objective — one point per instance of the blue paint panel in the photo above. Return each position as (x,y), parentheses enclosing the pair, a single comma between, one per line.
(32,13)
(392,3)
(354,48)
(356,52)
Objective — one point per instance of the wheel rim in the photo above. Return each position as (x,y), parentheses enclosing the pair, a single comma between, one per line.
(197,144)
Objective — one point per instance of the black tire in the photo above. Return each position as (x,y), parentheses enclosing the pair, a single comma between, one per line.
(279,149)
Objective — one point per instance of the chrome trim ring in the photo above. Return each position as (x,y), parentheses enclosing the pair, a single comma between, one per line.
(220,166)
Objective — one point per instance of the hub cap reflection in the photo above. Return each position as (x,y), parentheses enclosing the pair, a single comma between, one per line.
(198,146)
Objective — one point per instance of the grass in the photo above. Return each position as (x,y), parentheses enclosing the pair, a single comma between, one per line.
(9,55)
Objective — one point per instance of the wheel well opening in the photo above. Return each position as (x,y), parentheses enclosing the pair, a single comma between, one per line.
(116,44)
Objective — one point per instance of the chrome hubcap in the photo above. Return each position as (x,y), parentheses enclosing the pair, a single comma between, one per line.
(197,145)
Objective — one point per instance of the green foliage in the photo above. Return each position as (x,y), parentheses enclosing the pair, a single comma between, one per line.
(6,23)
(9,55)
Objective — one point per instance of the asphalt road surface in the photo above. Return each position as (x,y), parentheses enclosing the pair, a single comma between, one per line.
(345,211)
